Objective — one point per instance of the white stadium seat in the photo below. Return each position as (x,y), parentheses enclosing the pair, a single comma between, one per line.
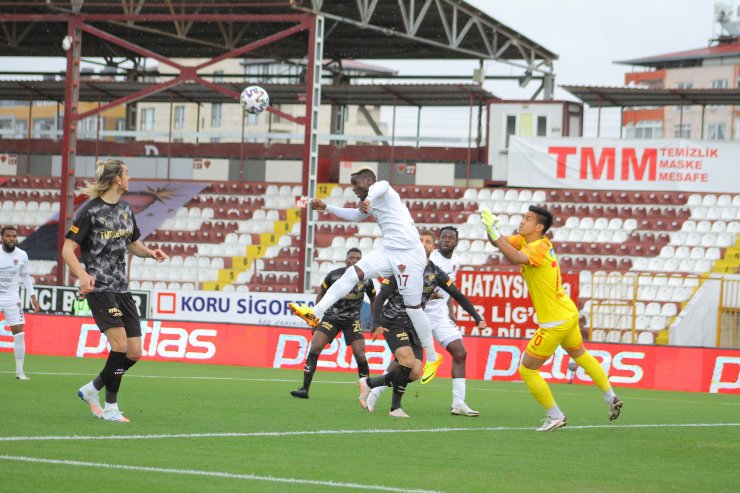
(683,252)
(483,194)
(645,338)
(688,226)
(694,199)
(586,223)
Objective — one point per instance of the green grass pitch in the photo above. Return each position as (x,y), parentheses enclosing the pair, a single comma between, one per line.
(205,428)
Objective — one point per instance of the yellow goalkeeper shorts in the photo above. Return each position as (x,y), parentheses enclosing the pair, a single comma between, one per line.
(545,341)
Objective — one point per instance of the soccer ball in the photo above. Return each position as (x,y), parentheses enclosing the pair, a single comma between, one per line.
(254,100)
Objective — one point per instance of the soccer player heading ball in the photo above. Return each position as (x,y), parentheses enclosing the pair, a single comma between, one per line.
(402,256)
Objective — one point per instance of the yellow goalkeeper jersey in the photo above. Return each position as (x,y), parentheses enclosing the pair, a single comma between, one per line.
(544,282)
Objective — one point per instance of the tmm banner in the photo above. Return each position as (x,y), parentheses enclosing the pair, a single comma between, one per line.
(615,164)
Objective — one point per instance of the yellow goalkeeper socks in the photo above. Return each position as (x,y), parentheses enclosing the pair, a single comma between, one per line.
(537,387)
(595,371)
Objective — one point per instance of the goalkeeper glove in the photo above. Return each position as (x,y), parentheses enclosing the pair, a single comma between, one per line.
(491,222)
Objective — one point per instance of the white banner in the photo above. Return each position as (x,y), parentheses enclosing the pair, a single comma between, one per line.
(612,164)
(248,308)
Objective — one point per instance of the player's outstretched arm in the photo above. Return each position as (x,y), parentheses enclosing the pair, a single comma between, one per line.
(348,214)
(137,248)
(464,303)
(491,222)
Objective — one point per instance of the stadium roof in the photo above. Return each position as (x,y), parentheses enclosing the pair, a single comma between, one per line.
(381,29)
(347,94)
(635,97)
(689,58)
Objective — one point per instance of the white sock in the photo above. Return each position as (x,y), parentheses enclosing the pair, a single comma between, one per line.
(555,412)
(111,407)
(338,290)
(609,395)
(19,349)
(458,391)
(424,331)
(379,389)
(89,388)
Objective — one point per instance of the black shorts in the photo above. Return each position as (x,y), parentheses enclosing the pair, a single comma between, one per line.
(352,329)
(403,335)
(115,310)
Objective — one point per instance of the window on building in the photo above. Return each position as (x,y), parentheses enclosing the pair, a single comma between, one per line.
(541,126)
(510,128)
(682,131)
(719,84)
(147,119)
(648,129)
(179,116)
(717,131)
(275,118)
(629,131)
(684,85)
(90,124)
(215,140)
(216,114)
(218,76)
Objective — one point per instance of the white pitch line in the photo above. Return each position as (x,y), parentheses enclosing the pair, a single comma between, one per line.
(338,382)
(216,474)
(342,432)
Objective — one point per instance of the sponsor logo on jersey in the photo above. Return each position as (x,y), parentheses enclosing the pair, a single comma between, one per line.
(117,233)
(74,229)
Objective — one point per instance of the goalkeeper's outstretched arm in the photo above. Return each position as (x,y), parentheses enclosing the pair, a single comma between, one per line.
(491,222)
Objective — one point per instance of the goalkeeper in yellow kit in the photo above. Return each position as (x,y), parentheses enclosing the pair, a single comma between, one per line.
(557,315)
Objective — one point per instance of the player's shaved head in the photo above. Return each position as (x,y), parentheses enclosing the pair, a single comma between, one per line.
(364,172)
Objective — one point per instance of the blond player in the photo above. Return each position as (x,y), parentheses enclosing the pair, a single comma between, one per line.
(402,257)
(13,267)
(557,315)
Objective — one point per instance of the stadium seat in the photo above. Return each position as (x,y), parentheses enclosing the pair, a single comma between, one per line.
(630,224)
(653,308)
(645,338)
(697,253)
(575,235)
(694,199)
(586,223)
(708,240)
(669,310)
(614,336)
(658,323)
(667,251)
(709,200)
(642,322)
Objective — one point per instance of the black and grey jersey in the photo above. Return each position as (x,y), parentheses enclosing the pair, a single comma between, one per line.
(104,232)
(394,308)
(347,308)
